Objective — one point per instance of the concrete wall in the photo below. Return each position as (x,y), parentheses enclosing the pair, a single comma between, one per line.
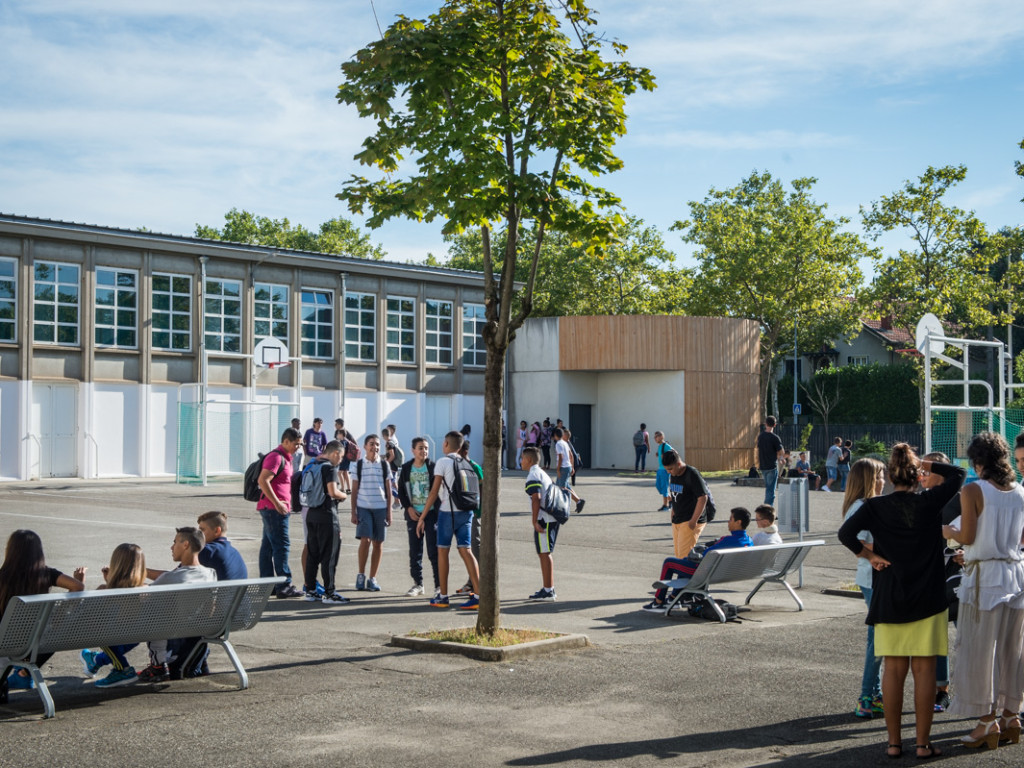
(628,398)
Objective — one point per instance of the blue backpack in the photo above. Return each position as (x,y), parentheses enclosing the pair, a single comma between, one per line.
(311,487)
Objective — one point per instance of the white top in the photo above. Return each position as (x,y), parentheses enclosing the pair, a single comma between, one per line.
(562,449)
(445,469)
(186,574)
(993,565)
(766,536)
(538,475)
(372,492)
(863,578)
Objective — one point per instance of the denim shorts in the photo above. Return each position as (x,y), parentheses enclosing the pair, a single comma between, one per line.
(458,524)
(370,523)
(833,472)
(563,477)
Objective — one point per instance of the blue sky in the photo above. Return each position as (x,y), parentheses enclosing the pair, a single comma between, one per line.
(164,114)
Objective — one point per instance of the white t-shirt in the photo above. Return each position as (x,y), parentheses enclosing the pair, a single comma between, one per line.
(186,574)
(562,449)
(537,480)
(864,575)
(445,469)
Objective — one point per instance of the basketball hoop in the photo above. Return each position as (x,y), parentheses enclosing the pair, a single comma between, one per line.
(271,353)
(280,364)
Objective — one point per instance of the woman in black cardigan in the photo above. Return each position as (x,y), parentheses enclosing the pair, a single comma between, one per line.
(908,599)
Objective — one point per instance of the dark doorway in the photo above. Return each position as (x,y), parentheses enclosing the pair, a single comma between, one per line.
(579,424)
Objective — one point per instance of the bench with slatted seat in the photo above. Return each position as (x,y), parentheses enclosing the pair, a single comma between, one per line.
(37,624)
(769,564)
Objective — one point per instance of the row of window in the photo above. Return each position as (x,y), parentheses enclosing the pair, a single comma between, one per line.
(56,316)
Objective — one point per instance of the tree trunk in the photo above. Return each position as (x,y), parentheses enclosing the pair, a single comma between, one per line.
(489,613)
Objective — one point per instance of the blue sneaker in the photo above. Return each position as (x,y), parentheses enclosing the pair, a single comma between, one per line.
(372,584)
(440,601)
(319,588)
(470,605)
(360,582)
(118,677)
(16,682)
(89,662)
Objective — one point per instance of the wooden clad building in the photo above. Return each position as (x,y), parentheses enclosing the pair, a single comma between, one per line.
(694,378)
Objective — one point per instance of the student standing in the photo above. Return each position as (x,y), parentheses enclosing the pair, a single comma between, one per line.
(274,506)
(770,455)
(414,482)
(314,440)
(564,466)
(371,510)
(661,476)
(545,527)
(642,446)
(323,530)
(692,505)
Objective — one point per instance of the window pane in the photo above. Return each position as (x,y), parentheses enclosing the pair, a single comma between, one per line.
(105,316)
(67,273)
(161,322)
(67,314)
(181,341)
(44,292)
(161,339)
(182,304)
(105,277)
(161,302)
(182,285)
(105,336)
(43,333)
(126,318)
(181,323)
(126,299)
(105,297)
(162,283)
(125,337)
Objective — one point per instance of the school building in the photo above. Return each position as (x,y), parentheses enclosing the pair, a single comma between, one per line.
(129,354)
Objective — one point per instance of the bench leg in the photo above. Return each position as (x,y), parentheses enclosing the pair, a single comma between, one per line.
(243,678)
(41,689)
(799,603)
(753,592)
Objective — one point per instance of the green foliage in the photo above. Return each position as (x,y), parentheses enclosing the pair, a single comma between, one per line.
(865,446)
(777,258)
(868,394)
(635,275)
(337,235)
(948,271)
(805,436)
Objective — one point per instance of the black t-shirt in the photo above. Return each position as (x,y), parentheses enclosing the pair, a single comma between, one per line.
(845,457)
(686,489)
(323,513)
(768,446)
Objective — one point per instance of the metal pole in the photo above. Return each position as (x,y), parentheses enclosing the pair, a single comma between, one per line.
(928,398)
(203,366)
(796,374)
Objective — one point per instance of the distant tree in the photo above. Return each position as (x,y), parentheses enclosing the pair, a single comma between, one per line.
(634,275)
(336,235)
(777,258)
(948,270)
(494,115)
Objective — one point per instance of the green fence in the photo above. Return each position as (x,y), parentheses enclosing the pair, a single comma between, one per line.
(952,430)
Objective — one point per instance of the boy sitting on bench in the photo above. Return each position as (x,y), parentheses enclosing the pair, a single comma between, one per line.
(675,567)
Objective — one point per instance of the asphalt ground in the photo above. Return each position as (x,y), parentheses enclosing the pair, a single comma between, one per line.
(777,688)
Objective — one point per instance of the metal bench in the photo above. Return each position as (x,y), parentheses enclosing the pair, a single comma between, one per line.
(771,564)
(71,621)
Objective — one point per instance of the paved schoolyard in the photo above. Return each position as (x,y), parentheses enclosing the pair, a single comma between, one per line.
(326,688)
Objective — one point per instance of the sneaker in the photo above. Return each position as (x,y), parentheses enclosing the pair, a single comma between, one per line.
(360,582)
(876,705)
(470,605)
(415,590)
(118,677)
(334,599)
(543,595)
(826,489)
(89,662)
(16,682)
(655,607)
(440,601)
(372,585)
(865,709)
(319,588)
(312,596)
(437,592)
(465,589)
(154,673)
(942,701)
(664,508)
(289,590)
(579,505)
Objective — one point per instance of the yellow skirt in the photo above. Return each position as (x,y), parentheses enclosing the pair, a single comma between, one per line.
(925,637)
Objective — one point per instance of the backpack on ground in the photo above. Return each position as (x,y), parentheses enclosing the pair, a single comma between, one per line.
(464,494)
(702,609)
(555,502)
(311,487)
(638,438)
(251,490)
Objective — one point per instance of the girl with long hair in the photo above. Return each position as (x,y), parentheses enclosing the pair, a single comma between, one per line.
(989,676)
(25,572)
(908,596)
(865,481)
(127,570)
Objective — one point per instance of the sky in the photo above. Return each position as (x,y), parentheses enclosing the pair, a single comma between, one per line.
(163,114)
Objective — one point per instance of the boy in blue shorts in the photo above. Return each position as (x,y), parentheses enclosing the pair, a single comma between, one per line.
(545,529)
(451,521)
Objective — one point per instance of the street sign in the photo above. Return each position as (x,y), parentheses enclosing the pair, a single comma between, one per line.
(797,409)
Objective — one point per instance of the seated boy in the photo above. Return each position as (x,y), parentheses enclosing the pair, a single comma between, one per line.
(188,543)
(545,529)
(803,469)
(675,567)
(218,553)
(767,530)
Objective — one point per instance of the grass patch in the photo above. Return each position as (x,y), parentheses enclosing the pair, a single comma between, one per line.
(501,638)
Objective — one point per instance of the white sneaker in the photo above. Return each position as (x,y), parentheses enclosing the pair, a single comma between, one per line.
(415,591)
(826,489)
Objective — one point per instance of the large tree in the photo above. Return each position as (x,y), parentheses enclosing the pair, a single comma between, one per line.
(635,275)
(948,269)
(504,111)
(776,257)
(337,235)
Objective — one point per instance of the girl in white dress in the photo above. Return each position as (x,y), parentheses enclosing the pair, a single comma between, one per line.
(988,677)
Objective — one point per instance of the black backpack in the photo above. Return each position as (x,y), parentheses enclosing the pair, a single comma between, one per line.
(251,482)
(311,485)
(465,491)
(555,502)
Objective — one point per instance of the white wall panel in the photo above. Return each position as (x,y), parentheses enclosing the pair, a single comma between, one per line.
(10,442)
(117,429)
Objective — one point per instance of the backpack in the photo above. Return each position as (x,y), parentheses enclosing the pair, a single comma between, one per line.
(701,609)
(385,469)
(251,490)
(352,452)
(311,487)
(555,502)
(638,438)
(399,455)
(464,494)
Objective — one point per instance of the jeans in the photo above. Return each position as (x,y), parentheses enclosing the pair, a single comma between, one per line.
(844,472)
(942,670)
(871,680)
(416,548)
(275,545)
(771,479)
(640,464)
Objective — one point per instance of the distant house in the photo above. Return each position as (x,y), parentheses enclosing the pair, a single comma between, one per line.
(877,342)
